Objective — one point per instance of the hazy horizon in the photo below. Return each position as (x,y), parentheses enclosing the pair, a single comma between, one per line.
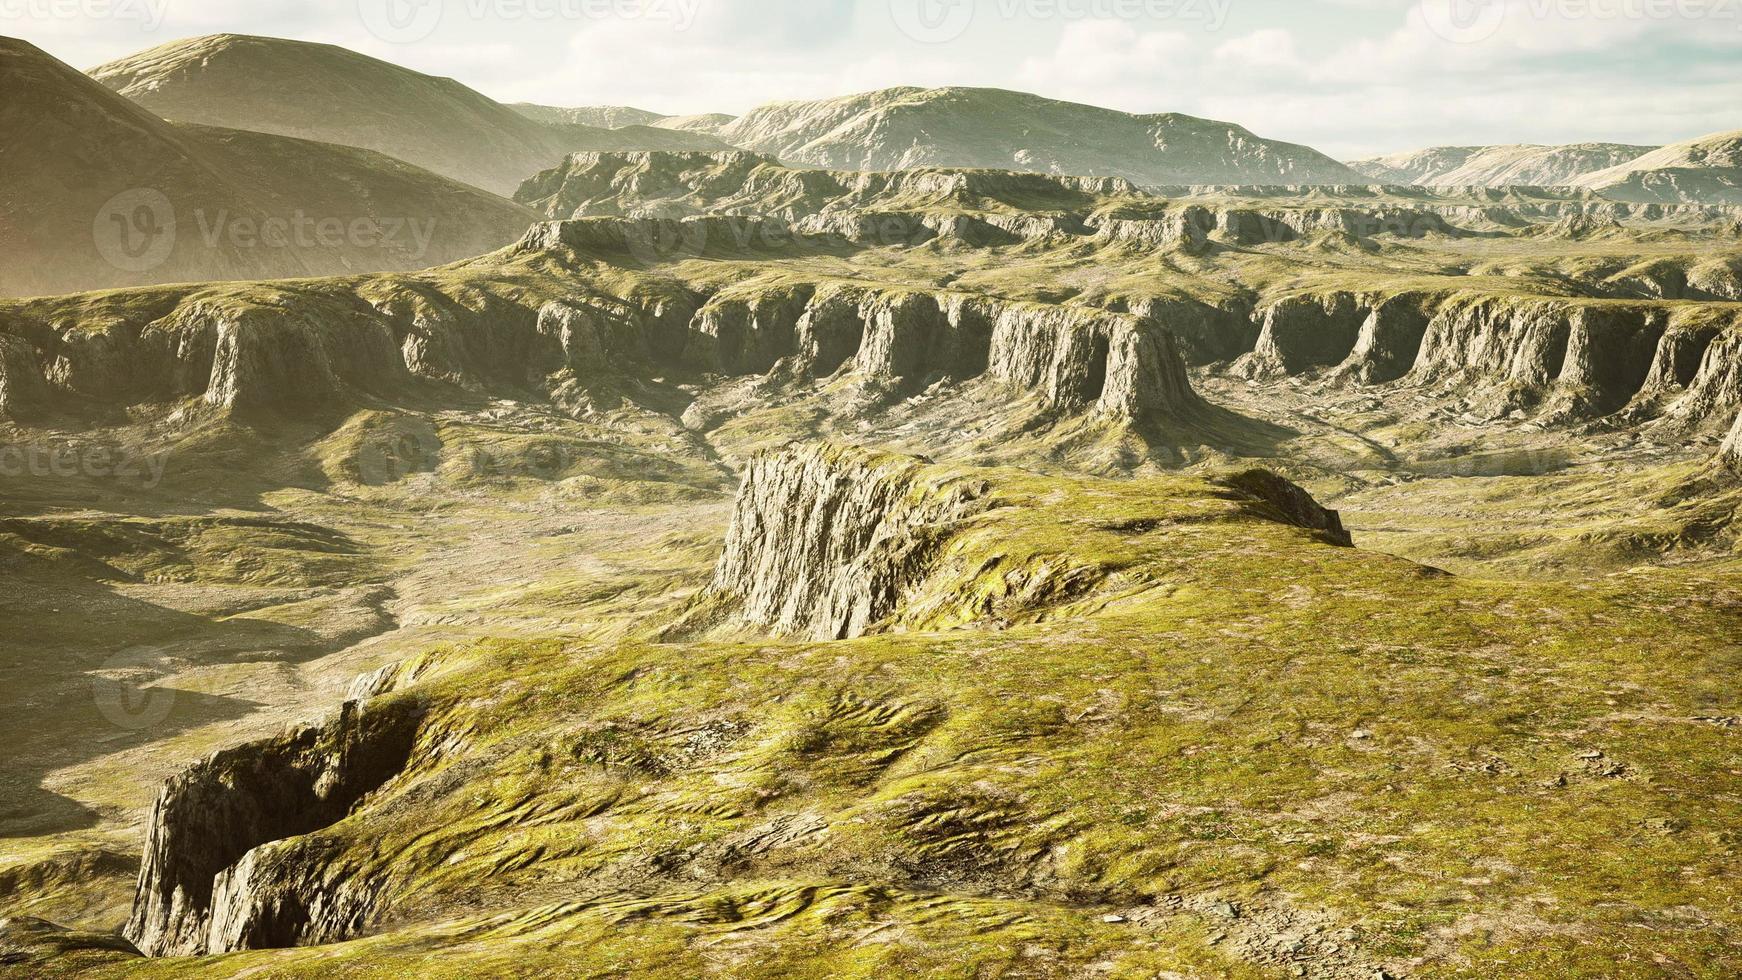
(1343,76)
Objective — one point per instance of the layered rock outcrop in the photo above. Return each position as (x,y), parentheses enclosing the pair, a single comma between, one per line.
(211,880)
(1711,395)
(1300,333)
(825,539)
(1389,341)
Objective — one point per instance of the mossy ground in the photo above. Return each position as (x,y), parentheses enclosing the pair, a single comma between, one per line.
(1462,777)
(1528,770)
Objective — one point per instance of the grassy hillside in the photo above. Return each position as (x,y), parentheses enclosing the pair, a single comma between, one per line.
(1127,714)
(326,93)
(102,193)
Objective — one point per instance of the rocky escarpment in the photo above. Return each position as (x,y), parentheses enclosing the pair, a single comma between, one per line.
(21,382)
(324,348)
(1697,372)
(1303,332)
(1562,360)
(675,185)
(211,880)
(825,539)
(1511,354)
(1389,341)
(1071,358)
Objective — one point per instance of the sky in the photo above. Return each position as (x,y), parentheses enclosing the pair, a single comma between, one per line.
(1350,77)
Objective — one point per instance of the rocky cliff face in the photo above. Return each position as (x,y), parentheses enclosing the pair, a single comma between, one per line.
(1389,341)
(21,382)
(825,538)
(1730,455)
(1512,354)
(1300,333)
(211,880)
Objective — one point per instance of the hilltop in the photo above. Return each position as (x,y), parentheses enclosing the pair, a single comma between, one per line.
(1498,166)
(333,95)
(1707,169)
(899,128)
(85,146)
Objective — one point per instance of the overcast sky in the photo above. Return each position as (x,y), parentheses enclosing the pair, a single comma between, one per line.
(1351,77)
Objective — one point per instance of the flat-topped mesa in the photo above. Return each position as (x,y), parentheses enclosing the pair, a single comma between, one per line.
(825,539)
(318,348)
(1121,366)
(687,184)
(216,876)
(1196,227)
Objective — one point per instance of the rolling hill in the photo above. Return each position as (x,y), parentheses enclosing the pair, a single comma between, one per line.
(327,93)
(1707,170)
(102,193)
(1498,166)
(901,128)
(602,116)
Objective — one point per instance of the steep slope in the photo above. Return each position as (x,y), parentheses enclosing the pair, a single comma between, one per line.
(330,94)
(602,116)
(900,128)
(102,193)
(709,123)
(1707,170)
(1498,166)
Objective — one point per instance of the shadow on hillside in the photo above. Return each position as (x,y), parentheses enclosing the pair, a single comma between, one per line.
(80,666)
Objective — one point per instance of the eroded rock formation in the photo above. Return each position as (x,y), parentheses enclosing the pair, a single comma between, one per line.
(825,538)
(212,881)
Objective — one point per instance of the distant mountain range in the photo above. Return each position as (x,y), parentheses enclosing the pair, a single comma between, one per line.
(100,192)
(327,93)
(622,117)
(1707,169)
(265,128)
(901,128)
(1498,166)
